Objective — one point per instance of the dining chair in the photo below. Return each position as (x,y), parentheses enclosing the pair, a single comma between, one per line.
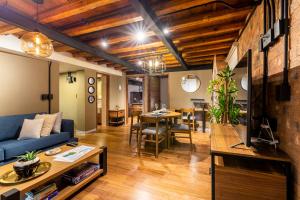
(154,132)
(184,129)
(134,127)
(184,115)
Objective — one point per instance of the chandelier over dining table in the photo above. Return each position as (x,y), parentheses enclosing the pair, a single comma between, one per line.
(153,64)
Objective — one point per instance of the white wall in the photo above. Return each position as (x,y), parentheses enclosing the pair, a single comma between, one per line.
(116,96)
(239,72)
(181,99)
(22,82)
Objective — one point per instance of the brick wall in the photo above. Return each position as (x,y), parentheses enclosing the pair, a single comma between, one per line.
(287,113)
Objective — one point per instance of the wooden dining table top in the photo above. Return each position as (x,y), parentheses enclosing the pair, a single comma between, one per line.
(168,114)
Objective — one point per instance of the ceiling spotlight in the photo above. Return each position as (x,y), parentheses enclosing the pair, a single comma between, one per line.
(140,63)
(140,36)
(166,31)
(104,44)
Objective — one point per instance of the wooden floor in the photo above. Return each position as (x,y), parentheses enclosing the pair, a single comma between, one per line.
(177,174)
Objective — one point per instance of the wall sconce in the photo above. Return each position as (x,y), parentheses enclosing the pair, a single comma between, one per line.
(120,87)
(70,78)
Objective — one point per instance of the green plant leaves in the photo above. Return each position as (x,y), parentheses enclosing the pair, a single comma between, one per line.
(225,90)
(28,156)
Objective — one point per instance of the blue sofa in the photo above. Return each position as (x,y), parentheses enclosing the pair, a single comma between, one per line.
(10,147)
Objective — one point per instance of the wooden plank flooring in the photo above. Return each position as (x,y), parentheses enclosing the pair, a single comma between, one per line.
(176,174)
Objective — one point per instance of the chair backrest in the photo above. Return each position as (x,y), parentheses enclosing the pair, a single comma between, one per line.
(135,113)
(190,112)
(146,121)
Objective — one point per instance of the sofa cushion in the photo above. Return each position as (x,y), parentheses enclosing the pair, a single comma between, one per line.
(13,148)
(31,128)
(10,126)
(49,121)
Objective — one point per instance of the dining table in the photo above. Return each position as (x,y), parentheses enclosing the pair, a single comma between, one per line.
(167,115)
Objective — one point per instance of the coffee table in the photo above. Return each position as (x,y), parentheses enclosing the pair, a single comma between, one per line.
(97,155)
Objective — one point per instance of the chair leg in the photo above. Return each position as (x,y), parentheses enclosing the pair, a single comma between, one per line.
(194,125)
(156,149)
(168,139)
(139,143)
(130,135)
(137,136)
(191,143)
(156,145)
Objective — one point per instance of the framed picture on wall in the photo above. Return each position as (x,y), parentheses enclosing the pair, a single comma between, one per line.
(91,80)
(91,99)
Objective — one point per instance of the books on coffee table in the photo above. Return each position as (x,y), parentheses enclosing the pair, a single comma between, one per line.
(44,192)
(81,172)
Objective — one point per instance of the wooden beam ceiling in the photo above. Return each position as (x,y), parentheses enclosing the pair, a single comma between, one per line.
(118,20)
(144,8)
(71,8)
(198,29)
(26,23)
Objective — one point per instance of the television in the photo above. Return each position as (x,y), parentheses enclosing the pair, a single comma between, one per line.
(243,78)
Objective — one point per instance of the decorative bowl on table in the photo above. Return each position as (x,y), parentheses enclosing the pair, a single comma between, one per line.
(26,169)
(27,164)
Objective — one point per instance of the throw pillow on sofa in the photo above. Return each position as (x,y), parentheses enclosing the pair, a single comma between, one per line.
(49,120)
(57,124)
(31,128)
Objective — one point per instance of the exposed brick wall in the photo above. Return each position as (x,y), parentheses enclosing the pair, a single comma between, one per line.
(288,116)
(287,113)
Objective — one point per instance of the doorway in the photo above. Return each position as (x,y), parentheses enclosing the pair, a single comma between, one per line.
(102,99)
(135,94)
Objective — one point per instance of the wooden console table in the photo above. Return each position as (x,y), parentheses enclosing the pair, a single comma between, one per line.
(247,173)
(116,117)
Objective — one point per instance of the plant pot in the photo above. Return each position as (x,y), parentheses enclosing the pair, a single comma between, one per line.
(26,169)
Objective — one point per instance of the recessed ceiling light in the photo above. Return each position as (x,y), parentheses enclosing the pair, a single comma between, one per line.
(140,36)
(166,31)
(104,44)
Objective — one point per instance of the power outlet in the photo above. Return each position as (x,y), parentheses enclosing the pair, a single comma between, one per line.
(279,28)
(45,97)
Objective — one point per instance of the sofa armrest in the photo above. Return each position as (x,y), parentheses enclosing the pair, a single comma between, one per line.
(67,125)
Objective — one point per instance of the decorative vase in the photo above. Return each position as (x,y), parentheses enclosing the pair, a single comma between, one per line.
(25,169)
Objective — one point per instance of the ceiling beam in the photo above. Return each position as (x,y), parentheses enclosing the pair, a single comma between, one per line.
(149,16)
(175,6)
(26,23)
(70,9)
(207,41)
(114,21)
(196,67)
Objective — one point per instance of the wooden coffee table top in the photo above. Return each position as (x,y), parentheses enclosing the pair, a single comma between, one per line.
(57,168)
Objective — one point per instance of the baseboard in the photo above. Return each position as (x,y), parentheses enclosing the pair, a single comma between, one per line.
(85,132)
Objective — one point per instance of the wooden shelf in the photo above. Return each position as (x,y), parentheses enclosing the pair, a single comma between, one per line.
(69,190)
(247,173)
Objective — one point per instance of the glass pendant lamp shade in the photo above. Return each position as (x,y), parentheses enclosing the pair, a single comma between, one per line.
(36,44)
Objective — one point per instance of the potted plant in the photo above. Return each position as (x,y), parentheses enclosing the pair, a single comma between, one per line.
(26,164)
(224,88)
